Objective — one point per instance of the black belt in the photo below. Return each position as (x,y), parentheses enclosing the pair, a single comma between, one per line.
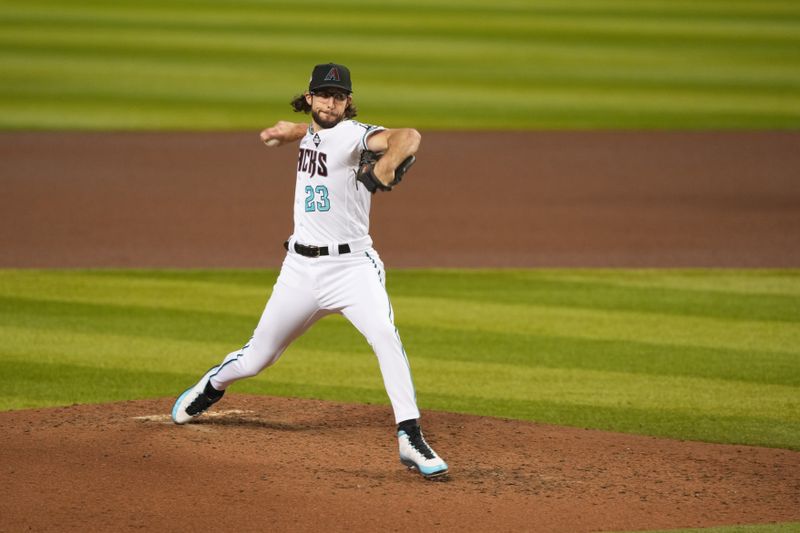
(316,251)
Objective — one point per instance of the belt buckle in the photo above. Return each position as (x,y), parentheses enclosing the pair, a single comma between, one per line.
(313,250)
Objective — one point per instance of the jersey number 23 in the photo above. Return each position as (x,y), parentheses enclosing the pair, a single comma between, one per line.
(312,204)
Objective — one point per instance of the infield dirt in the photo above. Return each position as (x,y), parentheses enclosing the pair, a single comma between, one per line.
(271,464)
(576,199)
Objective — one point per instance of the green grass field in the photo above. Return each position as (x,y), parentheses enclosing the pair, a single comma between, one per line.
(789,527)
(433,64)
(695,354)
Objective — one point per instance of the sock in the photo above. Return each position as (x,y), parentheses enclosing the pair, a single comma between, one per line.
(211,392)
(407,425)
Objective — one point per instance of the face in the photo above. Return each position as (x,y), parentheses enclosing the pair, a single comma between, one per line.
(328,106)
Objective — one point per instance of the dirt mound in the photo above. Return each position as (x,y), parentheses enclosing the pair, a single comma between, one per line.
(276,464)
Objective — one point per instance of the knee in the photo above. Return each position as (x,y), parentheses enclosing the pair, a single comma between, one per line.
(383,335)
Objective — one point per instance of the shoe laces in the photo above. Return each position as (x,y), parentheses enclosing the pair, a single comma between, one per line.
(199,405)
(418,443)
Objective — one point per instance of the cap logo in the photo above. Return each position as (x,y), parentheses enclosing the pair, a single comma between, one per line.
(333,74)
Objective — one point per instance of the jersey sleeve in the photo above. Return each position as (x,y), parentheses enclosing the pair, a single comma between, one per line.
(361,134)
(370,130)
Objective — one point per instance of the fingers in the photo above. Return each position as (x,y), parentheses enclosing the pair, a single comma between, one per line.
(271,136)
(269,133)
(282,132)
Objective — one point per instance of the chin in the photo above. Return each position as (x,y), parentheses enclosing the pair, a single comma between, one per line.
(325,124)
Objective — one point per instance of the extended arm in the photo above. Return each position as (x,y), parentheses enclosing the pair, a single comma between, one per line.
(397,145)
(283,132)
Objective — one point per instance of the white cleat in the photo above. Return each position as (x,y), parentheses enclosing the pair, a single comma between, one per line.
(416,454)
(194,402)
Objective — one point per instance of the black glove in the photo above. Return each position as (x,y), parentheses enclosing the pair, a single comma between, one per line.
(366,171)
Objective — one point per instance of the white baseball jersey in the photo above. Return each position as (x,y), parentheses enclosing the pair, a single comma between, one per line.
(330,206)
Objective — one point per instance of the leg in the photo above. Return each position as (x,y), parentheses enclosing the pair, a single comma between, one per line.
(370,311)
(289,312)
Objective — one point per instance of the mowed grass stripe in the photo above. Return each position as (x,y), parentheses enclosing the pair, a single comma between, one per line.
(697,84)
(491,345)
(612,64)
(422,340)
(761,282)
(553,108)
(240,293)
(604,324)
(576,322)
(153,323)
(358,368)
(785,527)
(746,299)
(110,350)
(619,356)
(190,49)
(38,384)
(382,19)
(749,295)
(236,38)
(692,425)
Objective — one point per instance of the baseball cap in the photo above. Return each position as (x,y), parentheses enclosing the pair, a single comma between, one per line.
(330,75)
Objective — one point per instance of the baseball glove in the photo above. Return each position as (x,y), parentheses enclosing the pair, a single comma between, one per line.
(366,171)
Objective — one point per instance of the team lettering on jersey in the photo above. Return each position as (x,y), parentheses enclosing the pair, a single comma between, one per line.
(313,162)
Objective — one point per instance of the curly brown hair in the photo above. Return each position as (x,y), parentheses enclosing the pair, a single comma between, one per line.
(299,105)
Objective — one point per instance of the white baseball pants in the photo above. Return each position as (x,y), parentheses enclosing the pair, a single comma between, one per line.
(310,288)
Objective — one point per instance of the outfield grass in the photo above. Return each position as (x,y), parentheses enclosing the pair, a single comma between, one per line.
(433,64)
(696,354)
(786,527)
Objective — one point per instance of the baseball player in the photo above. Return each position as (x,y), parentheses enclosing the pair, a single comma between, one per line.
(330,265)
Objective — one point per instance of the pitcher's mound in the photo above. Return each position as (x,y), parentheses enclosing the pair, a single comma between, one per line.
(275,464)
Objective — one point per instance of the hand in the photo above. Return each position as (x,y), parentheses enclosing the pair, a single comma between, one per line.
(282,132)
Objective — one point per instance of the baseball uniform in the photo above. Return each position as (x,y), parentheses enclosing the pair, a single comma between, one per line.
(331,210)
(330,265)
